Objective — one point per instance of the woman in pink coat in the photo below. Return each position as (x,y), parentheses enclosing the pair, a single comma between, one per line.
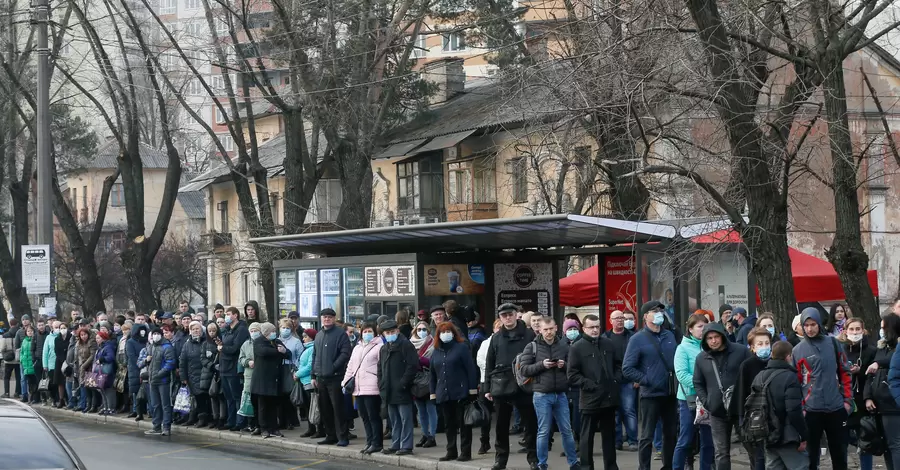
(362,377)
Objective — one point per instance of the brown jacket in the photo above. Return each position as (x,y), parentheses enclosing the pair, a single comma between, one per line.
(84,354)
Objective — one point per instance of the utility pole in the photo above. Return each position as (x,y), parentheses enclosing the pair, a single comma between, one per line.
(44,228)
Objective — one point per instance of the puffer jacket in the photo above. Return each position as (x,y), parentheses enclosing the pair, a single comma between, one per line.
(728,362)
(553,380)
(594,367)
(133,347)
(504,347)
(162,362)
(364,366)
(244,358)
(304,370)
(27,360)
(190,365)
(642,364)
(453,372)
(685,358)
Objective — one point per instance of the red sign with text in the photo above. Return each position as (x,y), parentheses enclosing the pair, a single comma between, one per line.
(620,284)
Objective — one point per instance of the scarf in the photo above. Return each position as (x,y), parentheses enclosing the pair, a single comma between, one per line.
(424,346)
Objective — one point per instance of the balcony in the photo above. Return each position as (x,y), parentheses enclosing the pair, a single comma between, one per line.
(216,242)
(472,211)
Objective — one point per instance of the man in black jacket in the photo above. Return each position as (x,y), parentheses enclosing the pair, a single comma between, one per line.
(715,373)
(544,361)
(595,367)
(501,387)
(398,362)
(785,401)
(331,353)
(234,336)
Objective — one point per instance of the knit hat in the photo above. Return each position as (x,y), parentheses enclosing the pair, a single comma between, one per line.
(740,311)
(795,322)
(570,324)
(266,329)
(723,308)
(310,332)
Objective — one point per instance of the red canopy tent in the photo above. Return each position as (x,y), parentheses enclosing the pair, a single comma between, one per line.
(814,278)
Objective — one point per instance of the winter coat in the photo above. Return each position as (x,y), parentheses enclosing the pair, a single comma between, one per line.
(397,366)
(27,359)
(304,370)
(246,355)
(861,354)
(190,365)
(545,380)
(295,348)
(133,348)
(453,372)
(364,366)
(784,399)
(880,388)
(105,362)
(37,348)
(728,361)
(594,367)
(332,353)
(209,362)
(162,362)
(685,358)
(8,343)
(122,364)
(823,369)
(48,352)
(477,335)
(232,340)
(84,354)
(740,336)
(642,364)
(619,341)
(267,363)
(505,346)
(750,368)
(61,348)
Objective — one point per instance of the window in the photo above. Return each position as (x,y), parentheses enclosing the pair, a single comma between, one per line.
(193,28)
(218,84)
(408,190)
(192,4)
(485,184)
(117,196)
(227,142)
(167,7)
(221,27)
(518,172)
(226,288)
(453,42)
(460,183)
(328,200)
(273,202)
(421,187)
(472,181)
(65,48)
(84,197)
(73,199)
(220,116)
(50,455)
(420,49)
(245,283)
(194,87)
(223,216)
(170,27)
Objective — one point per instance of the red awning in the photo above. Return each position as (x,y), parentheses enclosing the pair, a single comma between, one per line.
(815,279)
(581,288)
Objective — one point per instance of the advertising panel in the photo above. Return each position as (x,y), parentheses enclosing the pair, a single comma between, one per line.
(529,285)
(454,279)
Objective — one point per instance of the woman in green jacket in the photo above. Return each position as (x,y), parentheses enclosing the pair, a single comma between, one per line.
(27,360)
(685,358)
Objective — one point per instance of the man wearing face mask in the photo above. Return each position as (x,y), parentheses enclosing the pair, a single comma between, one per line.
(161,362)
(650,362)
(397,366)
(619,336)
(330,357)
(233,337)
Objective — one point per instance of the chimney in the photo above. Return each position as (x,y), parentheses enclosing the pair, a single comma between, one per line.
(449,76)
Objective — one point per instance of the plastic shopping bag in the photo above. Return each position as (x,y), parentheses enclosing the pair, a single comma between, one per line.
(183,401)
(246,408)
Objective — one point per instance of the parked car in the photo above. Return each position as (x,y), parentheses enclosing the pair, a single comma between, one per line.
(30,442)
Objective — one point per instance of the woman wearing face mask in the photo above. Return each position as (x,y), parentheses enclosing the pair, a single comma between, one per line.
(304,375)
(572,332)
(767,321)
(881,388)
(84,354)
(61,347)
(760,342)
(860,354)
(425,406)
(269,354)
(217,405)
(105,362)
(454,381)
(247,363)
(191,371)
(362,371)
(685,358)
(287,412)
(133,347)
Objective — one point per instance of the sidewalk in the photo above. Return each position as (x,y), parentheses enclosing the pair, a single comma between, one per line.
(421,459)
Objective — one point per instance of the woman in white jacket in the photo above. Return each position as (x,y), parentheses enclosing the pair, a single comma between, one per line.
(481,360)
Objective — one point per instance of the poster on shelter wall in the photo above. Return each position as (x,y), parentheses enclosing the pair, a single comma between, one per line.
(620,284)
(454,279)
(723,280)
(529,285)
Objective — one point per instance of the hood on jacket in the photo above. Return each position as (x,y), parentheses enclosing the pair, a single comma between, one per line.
(255,306)
(136,331)
(811,313)
(714,327)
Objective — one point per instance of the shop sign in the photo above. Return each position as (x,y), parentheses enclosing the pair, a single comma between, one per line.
(529,285)
(390,281)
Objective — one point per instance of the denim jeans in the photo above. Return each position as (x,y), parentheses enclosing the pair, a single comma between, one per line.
(23,384)
(551,407)
(231,385)
(161,405)
(401,426)
(84,398)
(684,447)
(657,437)
(628,414)
(428,417)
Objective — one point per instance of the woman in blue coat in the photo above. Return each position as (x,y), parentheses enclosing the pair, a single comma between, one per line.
(454,379)
(133,347)
(105,362)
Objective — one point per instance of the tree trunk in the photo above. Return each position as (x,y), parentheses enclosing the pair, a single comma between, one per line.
(355,170)
(267,282)
(12,279)
(296,174)
(629,197)
(846,253)
(767,256)
(134,258)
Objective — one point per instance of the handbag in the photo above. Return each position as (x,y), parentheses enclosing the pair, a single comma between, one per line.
(871,436)
(350,385)
(214,386)
(44,384)
(183,401)
(246,408)
(701,416)
(475,414)
(95,379)
(315,416)
(287,378)
(503,383)
(297,394)
(421,387)
(726,393)
(141,394)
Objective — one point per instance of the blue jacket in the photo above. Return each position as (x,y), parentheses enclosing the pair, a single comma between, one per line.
(106,358)
(740,336)
(133,347)
(894,378)
(304,370)
(453,372)
(685,359)
(642,363)
(48,355)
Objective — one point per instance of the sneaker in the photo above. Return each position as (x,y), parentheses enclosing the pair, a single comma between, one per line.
(165,432)
(630,447)
(657,455)
(153,432)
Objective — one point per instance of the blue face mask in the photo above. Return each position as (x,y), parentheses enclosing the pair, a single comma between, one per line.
(572,335)
(764,353)
(771,330)
(881,333)
(285,332)
(271,336)
(368,337)
(659,318)
(352,338)
(228,319)
(629,324)
(254,335)
(390,338)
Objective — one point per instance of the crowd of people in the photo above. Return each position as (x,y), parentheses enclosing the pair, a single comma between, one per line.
(684,396)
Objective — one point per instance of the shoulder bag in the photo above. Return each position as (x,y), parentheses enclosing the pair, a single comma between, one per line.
(350,386)
(726,393)
(672,380)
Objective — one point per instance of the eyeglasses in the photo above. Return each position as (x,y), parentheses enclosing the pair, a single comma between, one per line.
(422,329)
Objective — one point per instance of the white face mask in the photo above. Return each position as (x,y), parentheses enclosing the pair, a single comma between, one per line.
(155,338)
(63,331)
(446,337)
(855,338)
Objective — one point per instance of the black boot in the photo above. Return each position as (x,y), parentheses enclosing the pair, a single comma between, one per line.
(309,432)
(203,420)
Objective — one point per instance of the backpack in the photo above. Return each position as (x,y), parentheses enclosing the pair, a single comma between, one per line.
(761,425)
(525,383)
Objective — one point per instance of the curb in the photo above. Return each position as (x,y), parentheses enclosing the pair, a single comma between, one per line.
(404,461)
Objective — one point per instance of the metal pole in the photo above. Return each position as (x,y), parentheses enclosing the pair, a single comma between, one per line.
(44,229)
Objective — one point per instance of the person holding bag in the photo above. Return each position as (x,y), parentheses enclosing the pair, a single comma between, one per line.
(424,343)
(247,363)
(304,376)
(27,363)
(454,379)
(685,358)
(361,380)
(104,371)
